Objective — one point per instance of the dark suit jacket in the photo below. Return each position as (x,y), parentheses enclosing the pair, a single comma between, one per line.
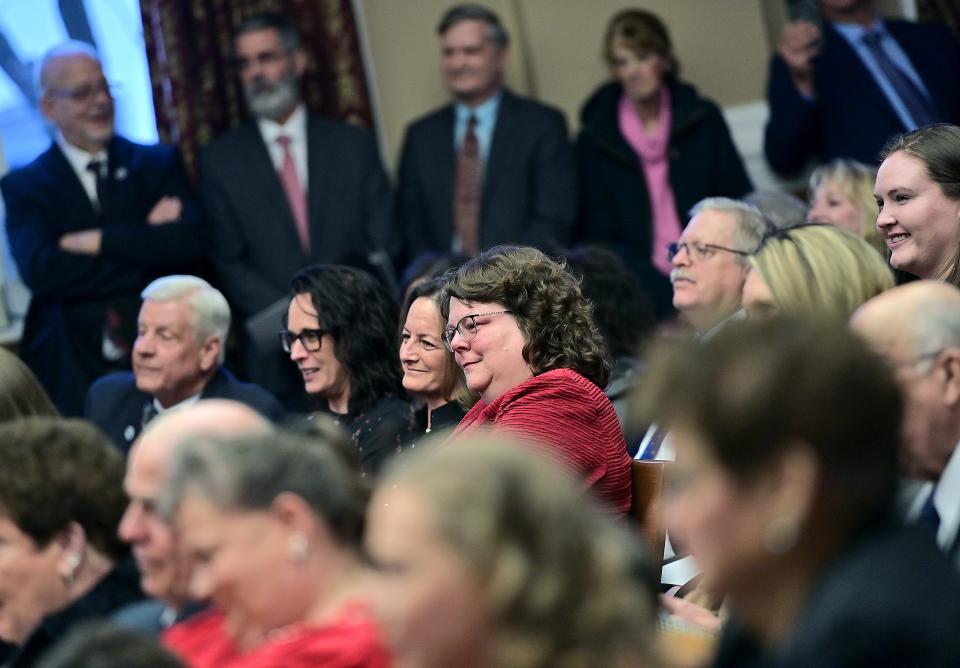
(251,231)
(850,116)
(62,336)
(116,405)
(890,600)
(529,188)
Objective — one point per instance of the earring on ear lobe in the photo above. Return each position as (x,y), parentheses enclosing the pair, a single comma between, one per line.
(72,563)
(780,535)
(298,548)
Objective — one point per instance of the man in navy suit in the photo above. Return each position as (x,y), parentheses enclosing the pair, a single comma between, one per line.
(916,329)
(164,572)
(286,189)
(177,357)
(490,168)
(842,91)
(90,222)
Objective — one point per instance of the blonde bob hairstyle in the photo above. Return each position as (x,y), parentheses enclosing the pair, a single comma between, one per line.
(821,269)
(558,576)
(855,182)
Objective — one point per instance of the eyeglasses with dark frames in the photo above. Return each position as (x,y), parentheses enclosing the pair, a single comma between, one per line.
(699,251)
(467,328)
(310,339)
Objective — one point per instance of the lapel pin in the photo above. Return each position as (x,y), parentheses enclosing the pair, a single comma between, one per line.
(129,432)
(120,174)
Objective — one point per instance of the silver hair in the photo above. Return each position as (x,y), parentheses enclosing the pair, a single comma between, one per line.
(248,474)
(66,49)
(751,225)
(935,327)
(780,208)
(211,313)
(496,33)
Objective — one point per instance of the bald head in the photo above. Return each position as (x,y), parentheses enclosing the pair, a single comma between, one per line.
(917,318)
(916,329)
(162,574)
(210,417)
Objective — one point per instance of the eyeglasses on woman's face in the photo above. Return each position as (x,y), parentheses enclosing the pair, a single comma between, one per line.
(467,328)
(310,339)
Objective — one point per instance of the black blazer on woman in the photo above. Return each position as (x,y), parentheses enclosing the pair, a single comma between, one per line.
(615,205)
(891,599)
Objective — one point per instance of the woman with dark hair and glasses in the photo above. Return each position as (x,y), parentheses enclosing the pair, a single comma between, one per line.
(814,269)
(525,338)
(341,325)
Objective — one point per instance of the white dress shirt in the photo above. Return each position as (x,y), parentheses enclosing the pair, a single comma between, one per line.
(79,159)
(296,129)
(946,499)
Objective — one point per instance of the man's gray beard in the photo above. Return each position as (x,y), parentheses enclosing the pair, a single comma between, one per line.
(275,103)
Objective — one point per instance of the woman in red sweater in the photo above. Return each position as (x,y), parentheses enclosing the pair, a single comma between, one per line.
(524,335)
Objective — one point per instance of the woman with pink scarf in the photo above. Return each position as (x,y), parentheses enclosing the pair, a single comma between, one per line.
(649,149)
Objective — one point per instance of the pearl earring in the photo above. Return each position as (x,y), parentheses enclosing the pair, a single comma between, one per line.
(298,548)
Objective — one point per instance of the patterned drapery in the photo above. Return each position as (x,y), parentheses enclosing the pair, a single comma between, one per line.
(196,93)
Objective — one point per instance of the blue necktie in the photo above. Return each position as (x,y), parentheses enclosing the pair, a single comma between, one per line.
(918,105)
(929,518)
(653,444)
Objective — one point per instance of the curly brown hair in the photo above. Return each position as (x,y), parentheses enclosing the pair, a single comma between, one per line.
(556,320)
(54,472)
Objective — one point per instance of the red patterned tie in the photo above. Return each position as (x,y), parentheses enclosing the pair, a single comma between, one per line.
(295,195)
(466,194)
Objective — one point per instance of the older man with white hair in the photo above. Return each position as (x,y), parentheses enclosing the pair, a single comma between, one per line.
(177,360)
(710,260)
(916,328)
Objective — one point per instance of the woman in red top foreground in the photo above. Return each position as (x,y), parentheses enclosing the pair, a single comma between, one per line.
(524,335)
(272,526)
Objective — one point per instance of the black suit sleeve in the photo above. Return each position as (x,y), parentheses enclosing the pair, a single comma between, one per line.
(553,180)
(791,136)
(246,289)
(48,271)
(379,201)
(165,244)
(411,211)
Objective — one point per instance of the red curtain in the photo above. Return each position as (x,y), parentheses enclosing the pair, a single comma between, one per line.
(196,93)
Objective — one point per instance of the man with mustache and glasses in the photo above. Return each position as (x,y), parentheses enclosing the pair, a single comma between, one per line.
(286,190)
(709,269)
(91,222)
(492,167)
(710,260)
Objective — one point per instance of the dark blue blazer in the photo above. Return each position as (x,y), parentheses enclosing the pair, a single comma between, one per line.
(529,185)
(116,405)
(850,116)
(62,336)
(889,600)
(250,229)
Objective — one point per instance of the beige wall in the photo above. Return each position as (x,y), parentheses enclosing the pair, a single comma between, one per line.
(721,44)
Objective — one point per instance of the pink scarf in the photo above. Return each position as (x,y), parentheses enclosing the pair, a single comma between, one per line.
(652,152)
